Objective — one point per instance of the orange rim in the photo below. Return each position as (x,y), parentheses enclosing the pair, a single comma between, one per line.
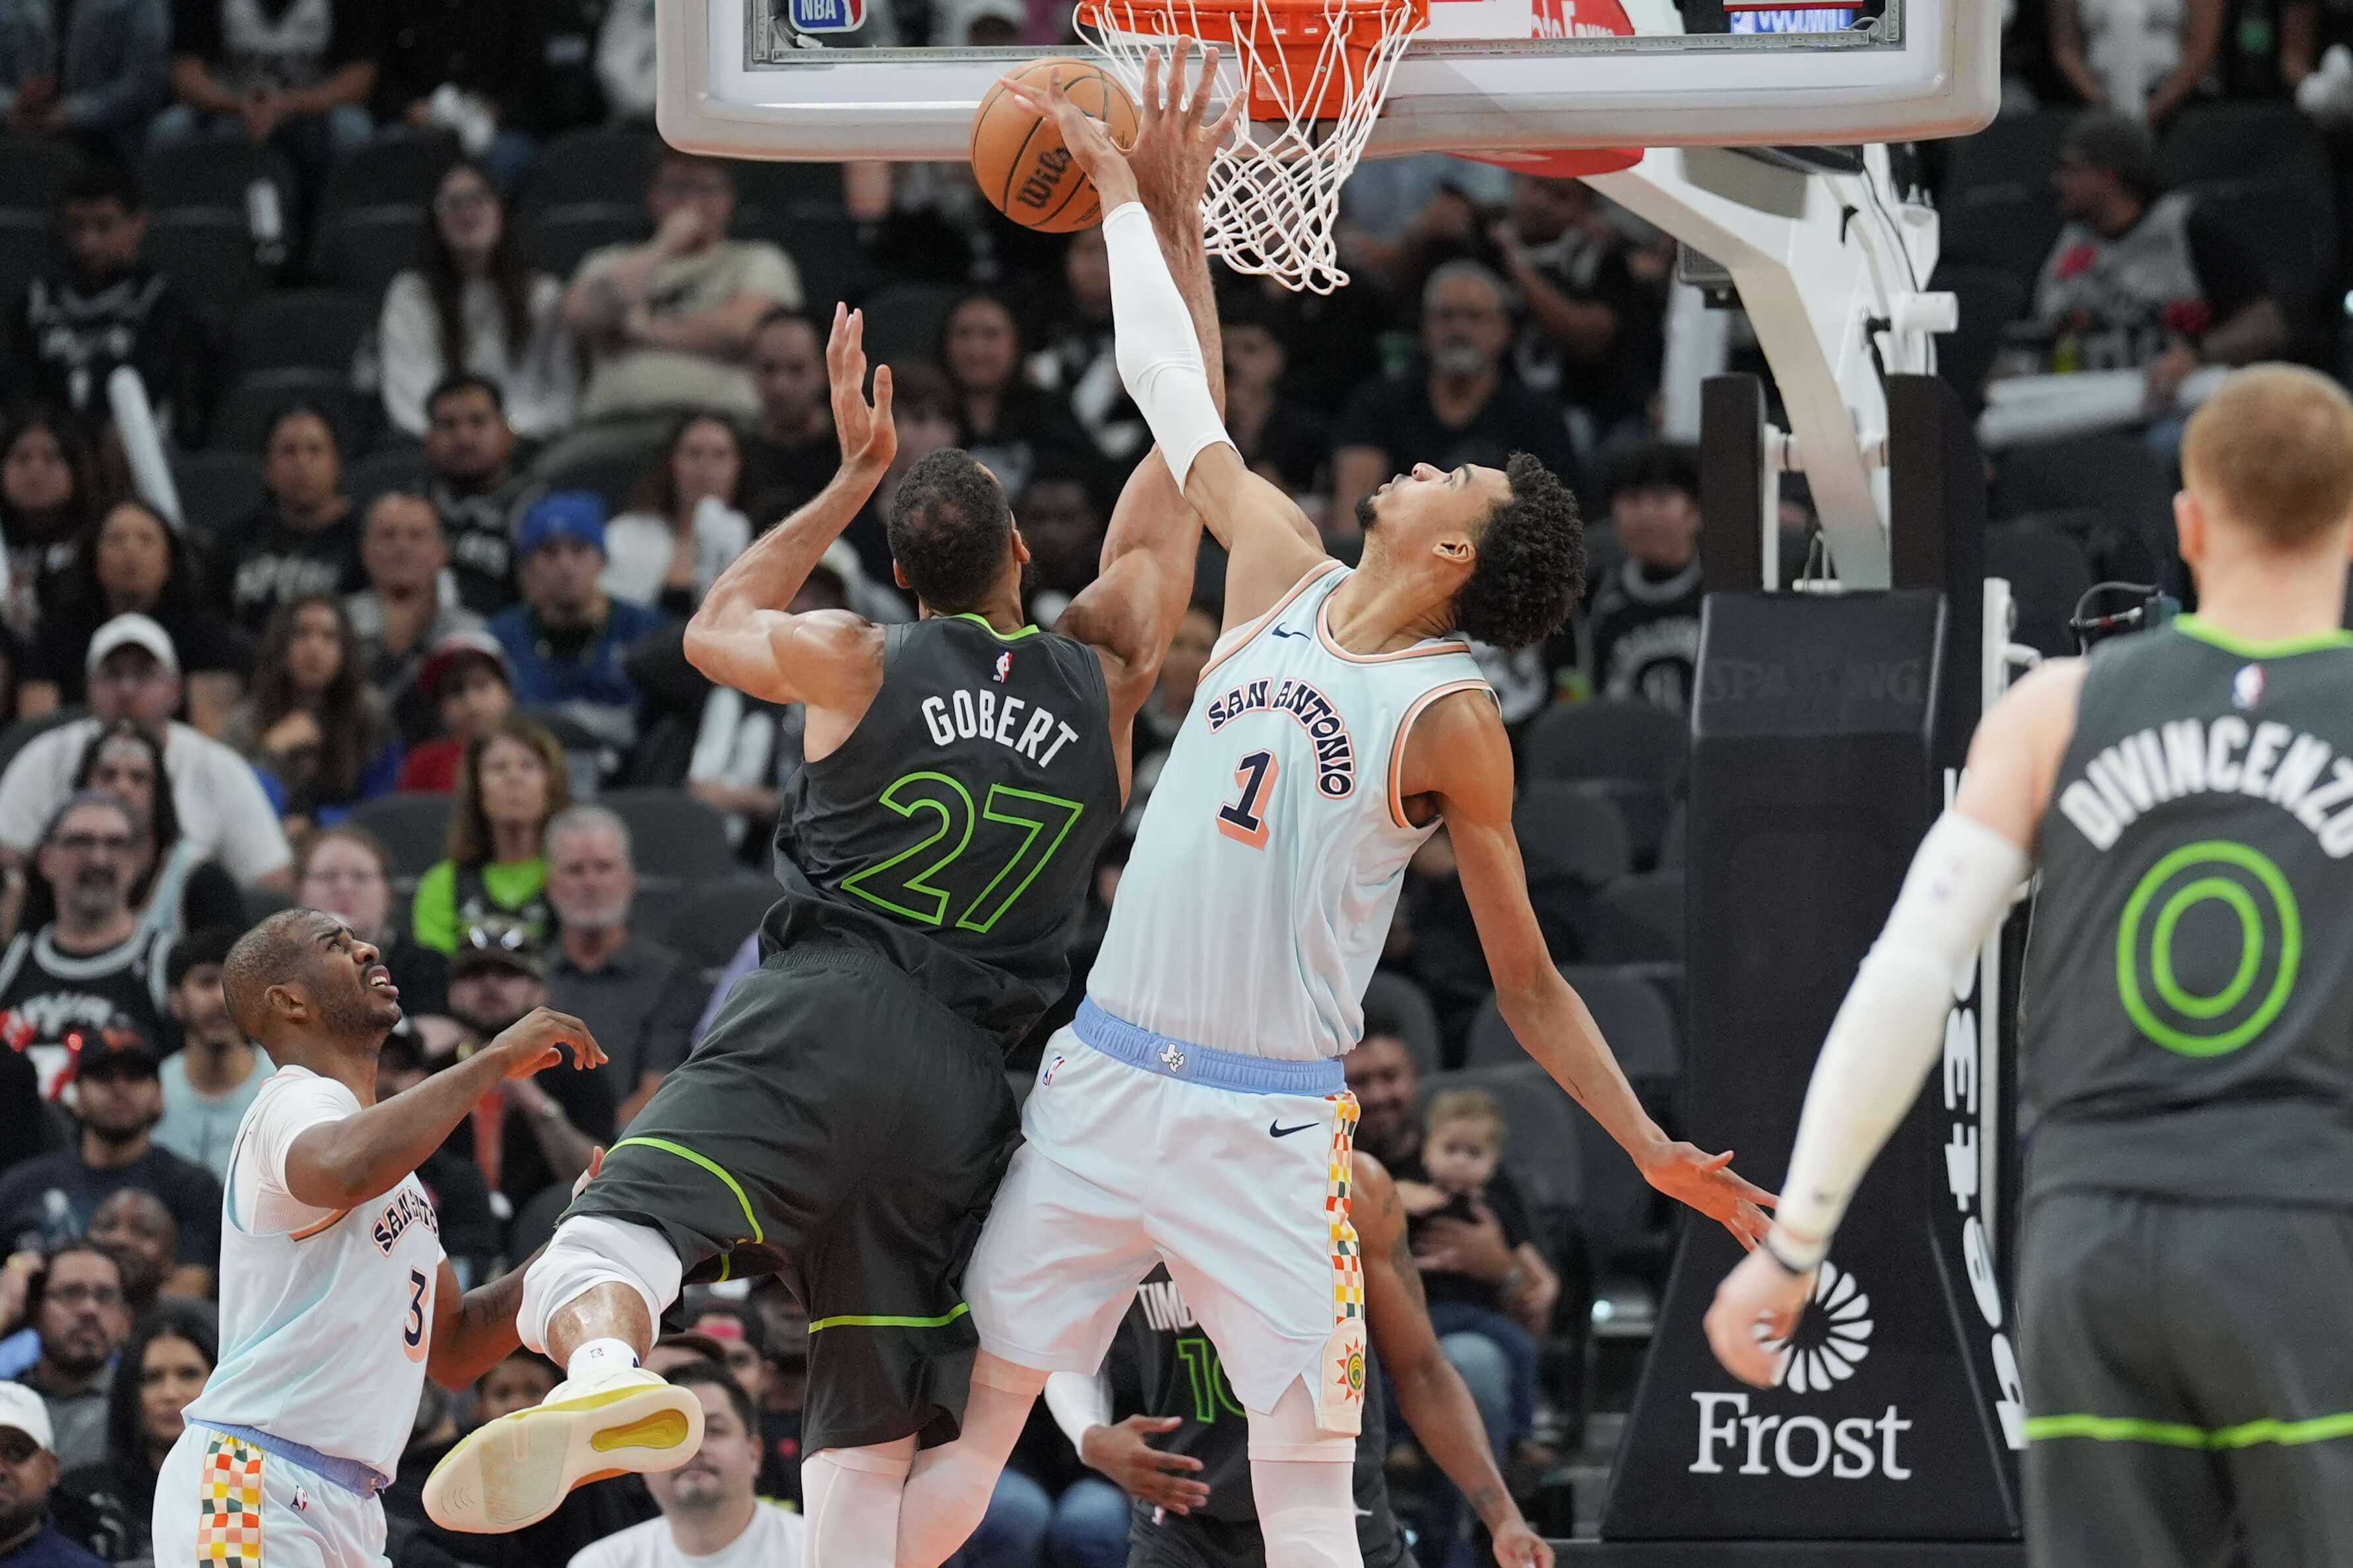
(1283,45)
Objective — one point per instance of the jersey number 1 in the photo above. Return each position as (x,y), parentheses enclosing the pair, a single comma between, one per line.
(1242,820)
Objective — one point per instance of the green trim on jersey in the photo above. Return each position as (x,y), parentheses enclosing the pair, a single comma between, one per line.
(983,623)
(853,1320)
(683,1152)
(2247,647)
(2172,1435)
(2253,945)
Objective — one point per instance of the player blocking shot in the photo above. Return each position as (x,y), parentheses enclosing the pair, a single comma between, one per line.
(2186,1055)
(1195,1115)
(337,1302)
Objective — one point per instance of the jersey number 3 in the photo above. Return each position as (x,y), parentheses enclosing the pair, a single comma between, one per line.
(1244,820)
(412,1326)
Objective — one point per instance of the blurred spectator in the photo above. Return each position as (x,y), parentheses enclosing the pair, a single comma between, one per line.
(304,539)
(1062,516)
(709,1511)
(470,1231)
(1645,619)
(791,455)
(146,1241)
(687,522)
(1076,358)
(1402,216)
(565,639)
(1162,714)
(512,781)
(669,323)
(400,617)
(176,886)
(1002,420)
(528,1135)
(2315,64)
(48,496)
(163,1365)
(79,959)
(76,1304)
(99,306)
(1595,335)
(29,1476)
(2140,59)
(346,871)
(209,1081)
(470,457)
(2140,280)
(1463,408)
(1282,442)
(471,305)
(98,82)
(638,998)
(322,739)
(468,683)
(783,1385)
(739,1333)
(456,69)
(626,67)
(298,76)
(134,674)
(134,562)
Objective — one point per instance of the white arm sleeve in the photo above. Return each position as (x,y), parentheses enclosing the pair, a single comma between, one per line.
(1890,1027)
(1078,1403)
(1159,357)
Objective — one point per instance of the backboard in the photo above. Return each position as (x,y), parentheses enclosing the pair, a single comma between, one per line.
(786,80)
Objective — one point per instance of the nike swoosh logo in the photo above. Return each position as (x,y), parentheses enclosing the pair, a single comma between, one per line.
(1276,1129)
(1287,632)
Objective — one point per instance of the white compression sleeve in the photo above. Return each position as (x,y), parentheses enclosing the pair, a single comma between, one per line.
(1159,358)
(1890,1027)
(1078,1403)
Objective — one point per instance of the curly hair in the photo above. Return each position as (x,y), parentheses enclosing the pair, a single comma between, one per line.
(950,529)
(1531,564)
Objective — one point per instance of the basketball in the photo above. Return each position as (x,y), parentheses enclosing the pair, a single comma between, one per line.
(1020,159)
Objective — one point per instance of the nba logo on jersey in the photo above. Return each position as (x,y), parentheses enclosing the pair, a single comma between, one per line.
(2247,687)
(1004,667)
(828,15)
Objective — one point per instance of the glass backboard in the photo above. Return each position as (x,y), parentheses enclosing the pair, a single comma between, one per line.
(821,80)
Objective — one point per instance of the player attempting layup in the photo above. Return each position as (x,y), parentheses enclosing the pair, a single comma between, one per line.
(335,1301)
(2186,1249)
(847,1118)
(1196,1113)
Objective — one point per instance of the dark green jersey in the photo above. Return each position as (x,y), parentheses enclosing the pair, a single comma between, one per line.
(2188,1026)
(956,830)
(1165,1364)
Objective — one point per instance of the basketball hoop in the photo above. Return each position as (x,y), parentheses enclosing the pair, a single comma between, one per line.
(1315,73)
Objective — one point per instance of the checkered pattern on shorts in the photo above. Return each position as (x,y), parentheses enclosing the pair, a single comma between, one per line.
(1347,1254)
(228,1502)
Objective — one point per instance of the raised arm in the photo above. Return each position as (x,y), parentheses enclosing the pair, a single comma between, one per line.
(1459,760)
(1890,1027)
(743,636)
(1270,542)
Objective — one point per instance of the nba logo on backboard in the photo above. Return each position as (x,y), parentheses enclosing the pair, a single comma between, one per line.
(1782,16)
(1580,19)
(1004,667)
(828,15)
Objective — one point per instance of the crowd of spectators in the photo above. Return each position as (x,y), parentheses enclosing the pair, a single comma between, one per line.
(403,641)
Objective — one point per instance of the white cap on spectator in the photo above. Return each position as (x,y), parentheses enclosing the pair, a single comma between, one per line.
(133,631)
(22,1408)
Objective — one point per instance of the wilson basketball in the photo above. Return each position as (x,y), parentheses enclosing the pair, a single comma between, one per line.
(1018,156)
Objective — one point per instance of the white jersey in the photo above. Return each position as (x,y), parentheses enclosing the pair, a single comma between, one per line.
(325,1315)
(1258,895)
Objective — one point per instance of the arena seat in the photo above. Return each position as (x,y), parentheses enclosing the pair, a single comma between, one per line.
(2047,577)
(1999,208)
(398,171)
(216,487)
(710,921)
(673,835)
(788,187)
(903,320)
(414,830)
(241,420)
(205,173)
(831,259)
(593,166)
(1571,834)
(2117,476)
(393,467)
(1609,738)
(208,252)
(33,169)
(1636,920)
(1990,298)
(24,251)
(559,237)
(1417,1020)
(363,247)
(309,329)
(1630,1014)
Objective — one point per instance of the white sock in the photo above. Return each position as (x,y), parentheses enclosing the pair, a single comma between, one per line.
(598,1357)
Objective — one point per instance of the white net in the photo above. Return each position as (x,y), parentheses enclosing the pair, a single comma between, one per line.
(1315,74)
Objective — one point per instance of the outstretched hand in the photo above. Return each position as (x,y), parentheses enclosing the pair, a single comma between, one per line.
(1177,141)
(536,1041)
(1707,1183)
(869,438)
(1755,1312)
(1087,138)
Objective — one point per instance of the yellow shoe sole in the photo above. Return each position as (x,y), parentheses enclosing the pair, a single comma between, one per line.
(516,1471)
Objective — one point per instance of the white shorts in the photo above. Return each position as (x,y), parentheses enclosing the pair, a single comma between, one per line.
(1244,1195)
(218,1499)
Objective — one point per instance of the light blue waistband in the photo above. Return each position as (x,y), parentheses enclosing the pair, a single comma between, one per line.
(364,1481)
(1140,1047)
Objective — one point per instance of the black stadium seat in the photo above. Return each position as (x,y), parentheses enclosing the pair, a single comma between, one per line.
(903,320)
(208,252)
(362,248)
(1609,738)
(673,835)
(589,166)
(1997,203)
(242,420)
(1990,298)
(414,828)
(24,252)
(561,235)
(33,169)
(1637,920)
(2263,170)
(1417,1020)
(217,487)
(707,924)
(310,328)
(207,173)
(2047,578)
(397,467)
(2116,476)
(1632,1015)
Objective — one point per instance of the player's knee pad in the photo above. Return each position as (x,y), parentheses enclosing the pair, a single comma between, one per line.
(589,1251)
(853,1498)
(1307,1510)
(1289,1432)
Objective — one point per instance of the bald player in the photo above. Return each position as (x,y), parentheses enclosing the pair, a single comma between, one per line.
(2186,1247)
(335,1300)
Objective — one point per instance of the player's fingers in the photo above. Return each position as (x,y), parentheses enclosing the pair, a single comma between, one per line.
(1162,1460)
(1199,108)
(1152,107)
(1712,1163)
(1160,1423)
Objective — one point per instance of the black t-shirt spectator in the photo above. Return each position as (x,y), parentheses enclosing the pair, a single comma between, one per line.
(482,46)
(1502,1200)
(65,340)
(26,1129)
(284,43)
(1295,443)
(1645,629)
(479,532)
(52,1192)
(2229,273)
(461,1205)
(1617,382)
(780,476)
(560,87)
(1031,427)
(261,562)
(60,649)
(1396,417)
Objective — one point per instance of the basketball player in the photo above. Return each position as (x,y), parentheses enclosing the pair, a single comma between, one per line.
(1192,1504)
(846,1120)
(335,1300)
(2186,1243)
(1196,1114)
